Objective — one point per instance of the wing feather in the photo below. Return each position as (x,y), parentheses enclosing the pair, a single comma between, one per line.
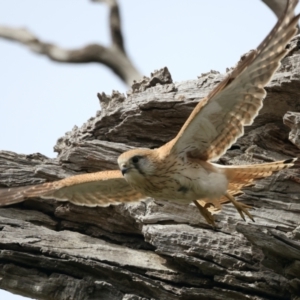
(219,119)
(93,189)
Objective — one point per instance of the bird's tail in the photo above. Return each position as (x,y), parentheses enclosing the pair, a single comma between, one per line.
(244,175)
(239,177)
(14,195)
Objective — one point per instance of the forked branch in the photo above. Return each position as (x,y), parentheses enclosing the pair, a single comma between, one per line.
(114,56)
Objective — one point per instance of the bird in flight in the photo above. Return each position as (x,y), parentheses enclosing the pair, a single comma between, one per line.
(181,170)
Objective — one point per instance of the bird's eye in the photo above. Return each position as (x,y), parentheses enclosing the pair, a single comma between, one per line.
(135,159)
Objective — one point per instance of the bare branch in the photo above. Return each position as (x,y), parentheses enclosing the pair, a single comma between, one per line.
(115,27)
(115,23)
(113,57)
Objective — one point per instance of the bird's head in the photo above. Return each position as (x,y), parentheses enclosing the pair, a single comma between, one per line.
(137,164)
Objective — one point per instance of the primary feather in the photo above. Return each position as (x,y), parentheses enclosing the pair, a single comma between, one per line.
(93,189)
(219,119)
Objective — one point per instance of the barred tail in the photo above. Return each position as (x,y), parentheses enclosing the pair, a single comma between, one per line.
(240,176)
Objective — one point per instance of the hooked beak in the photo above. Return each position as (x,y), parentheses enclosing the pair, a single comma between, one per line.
(124,170)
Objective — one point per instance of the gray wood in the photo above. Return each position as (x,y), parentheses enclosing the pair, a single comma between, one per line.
(155,249)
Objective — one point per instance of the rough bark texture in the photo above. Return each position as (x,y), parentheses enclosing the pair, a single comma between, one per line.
(157,250)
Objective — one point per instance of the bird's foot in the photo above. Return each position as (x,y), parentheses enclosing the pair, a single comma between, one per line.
(240,207)
(206,214)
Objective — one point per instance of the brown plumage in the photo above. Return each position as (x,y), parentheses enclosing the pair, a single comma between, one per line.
(181,170)
(242,176)
(94,189)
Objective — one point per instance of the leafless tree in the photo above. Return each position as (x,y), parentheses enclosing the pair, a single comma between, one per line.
(114,56)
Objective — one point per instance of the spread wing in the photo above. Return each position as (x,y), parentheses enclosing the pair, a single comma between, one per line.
(94,189)
(219,119)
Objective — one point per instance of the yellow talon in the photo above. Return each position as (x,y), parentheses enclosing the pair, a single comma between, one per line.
(206,214)
(241,207)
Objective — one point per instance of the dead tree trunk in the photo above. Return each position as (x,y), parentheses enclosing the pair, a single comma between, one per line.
(156,250)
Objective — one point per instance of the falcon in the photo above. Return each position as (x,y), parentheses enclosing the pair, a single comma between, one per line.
(181,170)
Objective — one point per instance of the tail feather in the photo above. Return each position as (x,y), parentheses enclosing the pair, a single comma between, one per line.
(244,175)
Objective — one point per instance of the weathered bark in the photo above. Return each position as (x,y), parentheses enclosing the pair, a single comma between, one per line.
(158,250)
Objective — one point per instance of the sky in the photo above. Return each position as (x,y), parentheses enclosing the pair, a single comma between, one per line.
(40,100)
